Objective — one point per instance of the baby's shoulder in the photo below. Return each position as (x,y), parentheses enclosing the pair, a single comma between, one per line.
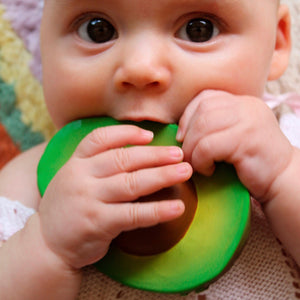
(18,177)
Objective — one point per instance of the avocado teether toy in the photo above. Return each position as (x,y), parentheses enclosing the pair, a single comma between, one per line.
(178,256)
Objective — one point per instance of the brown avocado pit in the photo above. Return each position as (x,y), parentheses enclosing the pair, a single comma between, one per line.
(161,237)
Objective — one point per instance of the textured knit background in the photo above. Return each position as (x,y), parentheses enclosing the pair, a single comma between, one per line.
(24,121)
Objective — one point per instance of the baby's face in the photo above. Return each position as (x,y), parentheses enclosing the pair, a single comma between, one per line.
(147,59)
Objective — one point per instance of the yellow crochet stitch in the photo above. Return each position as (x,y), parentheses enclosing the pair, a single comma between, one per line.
(14,66)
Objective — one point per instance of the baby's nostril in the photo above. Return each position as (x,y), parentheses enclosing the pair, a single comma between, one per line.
(126,84)
(155,83)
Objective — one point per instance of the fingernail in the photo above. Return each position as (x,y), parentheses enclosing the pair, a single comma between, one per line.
(179,135)
(182,168)
(175,152)
(148,134)
(177,206)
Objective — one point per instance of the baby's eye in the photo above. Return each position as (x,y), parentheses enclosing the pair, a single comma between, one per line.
(97,30)
(198,30)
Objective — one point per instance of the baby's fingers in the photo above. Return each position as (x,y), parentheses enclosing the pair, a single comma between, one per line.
(133,158)
(130,186)
(129,216)
(106,138)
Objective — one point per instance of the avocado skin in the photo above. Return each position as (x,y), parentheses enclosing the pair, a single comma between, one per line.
(214,239)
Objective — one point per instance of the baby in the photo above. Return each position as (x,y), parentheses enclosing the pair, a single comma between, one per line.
(200,63)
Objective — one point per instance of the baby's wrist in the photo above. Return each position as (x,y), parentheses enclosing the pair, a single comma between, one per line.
(47,257)
(36,271)
(286,181)
(282,210)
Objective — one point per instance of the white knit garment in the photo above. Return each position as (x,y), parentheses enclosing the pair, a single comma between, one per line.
(290,125)
(13,216)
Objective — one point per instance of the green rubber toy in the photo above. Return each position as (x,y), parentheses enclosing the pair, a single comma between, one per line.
(179,256)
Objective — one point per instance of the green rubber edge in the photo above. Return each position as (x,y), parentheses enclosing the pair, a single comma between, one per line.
(205,251)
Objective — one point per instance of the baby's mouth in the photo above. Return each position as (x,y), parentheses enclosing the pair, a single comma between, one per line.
(143,118)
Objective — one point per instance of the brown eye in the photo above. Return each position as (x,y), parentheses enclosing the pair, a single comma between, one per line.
(198,30)
(97,30)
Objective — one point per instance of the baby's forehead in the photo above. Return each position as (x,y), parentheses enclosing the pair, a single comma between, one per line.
(159,2)
(220,5)
(182,2)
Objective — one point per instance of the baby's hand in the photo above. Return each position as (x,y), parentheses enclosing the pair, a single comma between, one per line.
(88,202)
(241,130)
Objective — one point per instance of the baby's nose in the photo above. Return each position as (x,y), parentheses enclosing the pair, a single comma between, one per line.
(141,77)
(144,67)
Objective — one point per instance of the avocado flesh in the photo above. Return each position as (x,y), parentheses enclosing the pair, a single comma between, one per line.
(213,240)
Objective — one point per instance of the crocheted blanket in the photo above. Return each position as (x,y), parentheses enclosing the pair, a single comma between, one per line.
(24,121)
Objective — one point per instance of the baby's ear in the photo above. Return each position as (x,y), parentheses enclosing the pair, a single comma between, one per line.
(282,48)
